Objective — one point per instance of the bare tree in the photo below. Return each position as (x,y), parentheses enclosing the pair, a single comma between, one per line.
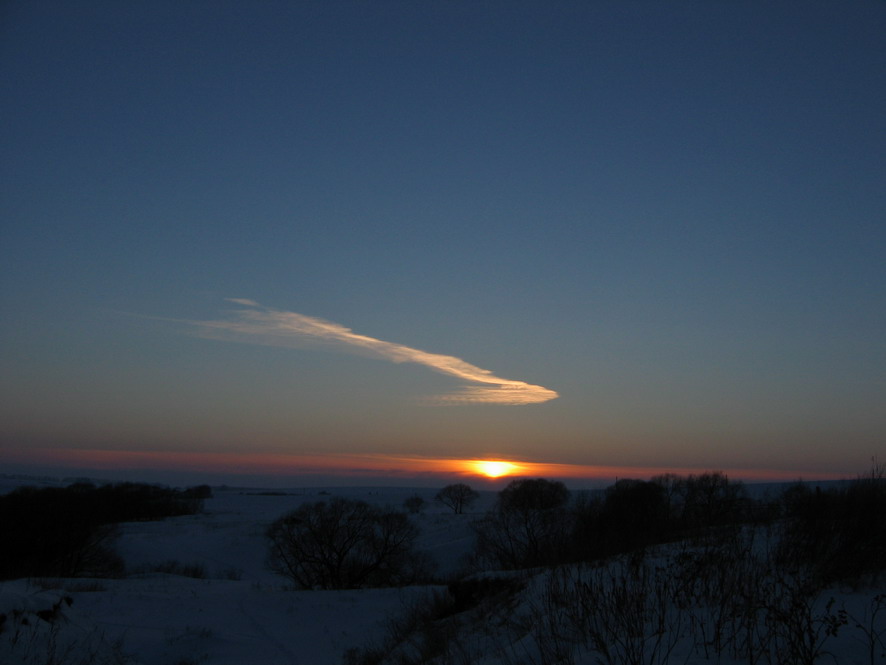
(457,496)
(529,525)
(343,544)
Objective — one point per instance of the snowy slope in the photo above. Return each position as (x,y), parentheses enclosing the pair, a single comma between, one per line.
(240,612)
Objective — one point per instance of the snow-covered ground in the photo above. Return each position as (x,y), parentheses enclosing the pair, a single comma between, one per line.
(241,613)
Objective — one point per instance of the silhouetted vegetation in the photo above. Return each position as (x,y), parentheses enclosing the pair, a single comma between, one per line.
(634,514)
(668,570)
(528,494)
(428,630)
(414,504)
(533,524)
(529,525)
(199,492)
(68,532)
(345,544)
(839,534)
(457,496)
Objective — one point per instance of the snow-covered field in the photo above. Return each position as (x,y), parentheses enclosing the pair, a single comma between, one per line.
(241,613)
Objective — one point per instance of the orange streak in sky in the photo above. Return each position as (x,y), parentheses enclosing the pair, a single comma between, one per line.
(373,465)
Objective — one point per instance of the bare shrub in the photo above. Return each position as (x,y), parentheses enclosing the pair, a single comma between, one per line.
(438,627)
(51,635)
(344,544)
(630,614)
(711,500)
(457,497)
(528,527)
(872,626)
(800,629)
(424,630)
(744,604)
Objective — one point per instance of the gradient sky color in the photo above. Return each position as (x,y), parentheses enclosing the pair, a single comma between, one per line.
(671,217)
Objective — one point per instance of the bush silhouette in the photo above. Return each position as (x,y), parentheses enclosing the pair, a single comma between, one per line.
(634,514)
(710,500)
(528,527)
(839,533)
(344,544)
(528,494)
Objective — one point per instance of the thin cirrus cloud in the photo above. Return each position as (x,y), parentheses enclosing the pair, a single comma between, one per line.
(257,324)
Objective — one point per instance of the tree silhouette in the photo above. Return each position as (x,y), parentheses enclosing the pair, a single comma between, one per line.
(533,494)
(457,496)
(343,544)
(529,526)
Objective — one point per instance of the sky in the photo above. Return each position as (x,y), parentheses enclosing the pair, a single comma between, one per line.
(368,241)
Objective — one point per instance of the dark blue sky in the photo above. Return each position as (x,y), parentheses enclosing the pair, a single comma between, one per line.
(670,214)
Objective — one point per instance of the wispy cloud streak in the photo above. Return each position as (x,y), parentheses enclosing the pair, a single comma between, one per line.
(257,324)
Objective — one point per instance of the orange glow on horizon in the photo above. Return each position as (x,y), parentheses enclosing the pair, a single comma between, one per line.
(495,468)
(375,467)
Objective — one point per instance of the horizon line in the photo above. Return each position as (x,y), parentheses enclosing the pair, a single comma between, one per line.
(357,467)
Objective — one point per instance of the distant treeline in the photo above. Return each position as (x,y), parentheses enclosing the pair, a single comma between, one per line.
(68,532)
(839,532)
(667,570)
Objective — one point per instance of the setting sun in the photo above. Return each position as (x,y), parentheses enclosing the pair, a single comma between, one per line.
(495,468)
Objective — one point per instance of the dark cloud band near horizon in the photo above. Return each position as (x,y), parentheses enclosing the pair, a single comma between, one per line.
(257,324)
